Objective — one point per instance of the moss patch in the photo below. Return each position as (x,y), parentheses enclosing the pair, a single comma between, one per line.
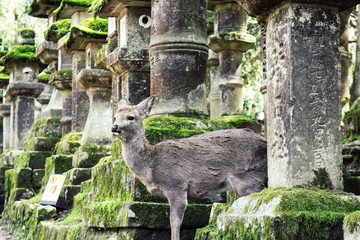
(20,53)
(352,119)
(161,128)
(352,221)
(44,78)
(63,74)
(48,127)
(58,29)
(57,12)
(97,6)
(301,214)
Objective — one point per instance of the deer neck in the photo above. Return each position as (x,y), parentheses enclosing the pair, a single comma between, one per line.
(135,153)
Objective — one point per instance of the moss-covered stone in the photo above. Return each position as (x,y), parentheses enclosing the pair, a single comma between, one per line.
(96,28)
(56,164)
(20,53)
(69,144)
(161,128)
(352,119)
(57,12)
(37,176)
(48,127)
(89,154)
(110,214)
(44,78)
(282,213)
(57,30)
(41,144)
(33,160)
(352,222)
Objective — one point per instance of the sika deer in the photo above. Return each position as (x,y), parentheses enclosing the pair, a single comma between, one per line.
(192,167)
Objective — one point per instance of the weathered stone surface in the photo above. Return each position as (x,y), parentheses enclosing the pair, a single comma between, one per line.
(70,192)
(29,89)
(261,7)
(43,8)
(141,215)
(89,154)
(303,108)
(37,177)
(33,160)
(69,144)
(47,52)
(79,175)
(287,214)
(9,157)
(41,144)
(178,56)
(54,108)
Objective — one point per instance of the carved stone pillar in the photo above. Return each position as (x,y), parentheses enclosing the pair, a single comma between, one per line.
(178,56)
(5,114)
(303,89)
(230,41)
(215,96)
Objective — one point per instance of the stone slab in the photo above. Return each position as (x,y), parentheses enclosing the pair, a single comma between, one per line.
(115,214)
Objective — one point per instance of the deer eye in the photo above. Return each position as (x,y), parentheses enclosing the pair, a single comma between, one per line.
(130,118)
(114,119)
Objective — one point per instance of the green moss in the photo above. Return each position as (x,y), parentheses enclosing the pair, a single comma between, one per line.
(161,128)
(89,28)
(57,12)
(4,78)
(316,214)
(352,119)
(20,53)
(27,33)
(44,78)
(48,127)
(352,221)
(322,179)
(58,29)
(97,6)
(69,143)
(89,154)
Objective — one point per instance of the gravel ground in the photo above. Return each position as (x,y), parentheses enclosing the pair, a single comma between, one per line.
(4,234)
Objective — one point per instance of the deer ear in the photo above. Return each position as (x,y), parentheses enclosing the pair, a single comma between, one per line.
(123,103)
(146,106)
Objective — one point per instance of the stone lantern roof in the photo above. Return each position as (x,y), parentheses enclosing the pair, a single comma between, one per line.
(90,30)
(57,30)
(68,7)
(112,8)
(20,54)
(262,7)
(42,8)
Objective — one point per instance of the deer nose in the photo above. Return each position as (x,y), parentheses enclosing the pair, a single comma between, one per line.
(114,128)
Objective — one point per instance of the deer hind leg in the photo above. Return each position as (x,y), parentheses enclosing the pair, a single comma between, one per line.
(243,187)
(177,201)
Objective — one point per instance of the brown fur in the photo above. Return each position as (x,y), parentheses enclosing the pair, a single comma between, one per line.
(193,167)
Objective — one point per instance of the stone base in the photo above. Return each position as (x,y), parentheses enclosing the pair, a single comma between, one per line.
(89,154)
(115,214)
(282,213)
(33,160)
(41,144)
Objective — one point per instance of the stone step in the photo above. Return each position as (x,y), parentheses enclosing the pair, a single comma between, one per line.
(41,144)
(352,184)
(37,177)
(115,214)
(69,144)
(47,127)
(9,158)
(79,175)
(57,164)
(70,192)
(33,160)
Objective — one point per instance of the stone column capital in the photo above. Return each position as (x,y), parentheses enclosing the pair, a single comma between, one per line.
(28,89)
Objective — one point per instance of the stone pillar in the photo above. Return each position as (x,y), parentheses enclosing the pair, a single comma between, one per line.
(215,97)
(230,41)
(178,56)
(97,83)
(303,90)
(5,114)
(47,52)
(22,96)
(130,61)
(345,59)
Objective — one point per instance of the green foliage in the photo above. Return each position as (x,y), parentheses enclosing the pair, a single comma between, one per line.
(57,12)
(59,29)
(252,73)
(20,53)
(97,6)
(352,221)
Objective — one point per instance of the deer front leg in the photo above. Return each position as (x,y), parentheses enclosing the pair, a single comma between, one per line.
(177,201)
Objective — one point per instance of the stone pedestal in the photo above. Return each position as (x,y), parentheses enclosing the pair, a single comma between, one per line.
(230,41)
(130,61)
(5,114)
(62,81)
(97,83)
(22,97)
(215,97)
(303,89)
(178,56)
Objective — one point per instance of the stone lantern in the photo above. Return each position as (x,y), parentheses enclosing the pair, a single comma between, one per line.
(303,89)
(80,101)
(23,88)
(97,83)
(230,40)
